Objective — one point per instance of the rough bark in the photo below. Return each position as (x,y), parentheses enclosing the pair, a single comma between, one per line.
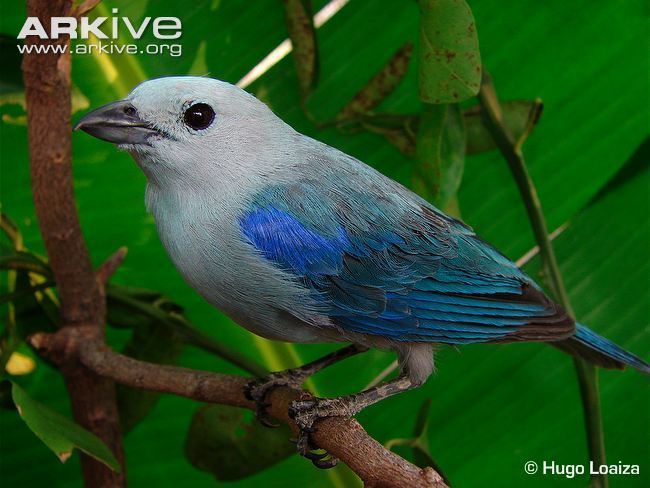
(47,92)
(343,437)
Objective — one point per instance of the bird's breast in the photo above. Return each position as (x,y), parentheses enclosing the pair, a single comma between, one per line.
(205,243)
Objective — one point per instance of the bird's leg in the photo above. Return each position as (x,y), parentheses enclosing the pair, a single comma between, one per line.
(307,411)
(257,389)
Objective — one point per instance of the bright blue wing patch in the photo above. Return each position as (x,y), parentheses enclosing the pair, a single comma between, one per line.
(283,239)
(407,275)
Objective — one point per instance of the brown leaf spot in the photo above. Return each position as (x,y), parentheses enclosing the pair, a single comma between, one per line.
(64,456)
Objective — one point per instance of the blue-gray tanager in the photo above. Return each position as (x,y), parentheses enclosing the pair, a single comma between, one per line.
(299,242)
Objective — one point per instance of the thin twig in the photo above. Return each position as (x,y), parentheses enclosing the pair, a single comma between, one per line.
(197,338)
(108,267)
(188,332)
(534,251)
(383,374)
(586,372)
(342,437)
(493,118)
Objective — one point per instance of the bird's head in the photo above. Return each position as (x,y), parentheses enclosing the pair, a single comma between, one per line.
(189,128)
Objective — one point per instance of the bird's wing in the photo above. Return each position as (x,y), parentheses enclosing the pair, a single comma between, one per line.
(384,262)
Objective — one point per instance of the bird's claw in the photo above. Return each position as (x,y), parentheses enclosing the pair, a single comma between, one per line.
(324,460)
(263,417)
(305,411)
(319,457)
(258,389)
(256,392)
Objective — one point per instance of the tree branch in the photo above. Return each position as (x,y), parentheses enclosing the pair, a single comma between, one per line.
(586,372)
(345,438)
(108,267)
(47,91)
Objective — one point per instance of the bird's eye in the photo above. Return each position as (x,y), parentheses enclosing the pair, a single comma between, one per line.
(199,116)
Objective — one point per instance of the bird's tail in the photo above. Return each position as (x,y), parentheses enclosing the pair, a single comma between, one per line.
(600,351)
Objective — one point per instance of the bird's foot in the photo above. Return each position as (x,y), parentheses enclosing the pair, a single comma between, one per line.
(305,412)
(258,389)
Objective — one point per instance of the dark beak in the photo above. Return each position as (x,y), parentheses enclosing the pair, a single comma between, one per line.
(117,122)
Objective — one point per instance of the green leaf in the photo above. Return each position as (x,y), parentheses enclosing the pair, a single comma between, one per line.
(450,62)
(58,433)
(26,261)
(28,290)
(129,307)
(380,85)
(154,342)
(440,154)
(222,441)
(521,117)
(29,312)
(14,108)
(419,443)
(125,309)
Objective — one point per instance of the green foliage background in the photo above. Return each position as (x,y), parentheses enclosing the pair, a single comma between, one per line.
(494,407)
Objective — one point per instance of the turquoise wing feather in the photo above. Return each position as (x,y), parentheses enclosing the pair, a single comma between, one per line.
(391,265)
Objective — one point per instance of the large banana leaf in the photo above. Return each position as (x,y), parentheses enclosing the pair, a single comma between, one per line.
(494,407)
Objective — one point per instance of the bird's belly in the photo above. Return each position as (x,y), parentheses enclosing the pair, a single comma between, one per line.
(260,317)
